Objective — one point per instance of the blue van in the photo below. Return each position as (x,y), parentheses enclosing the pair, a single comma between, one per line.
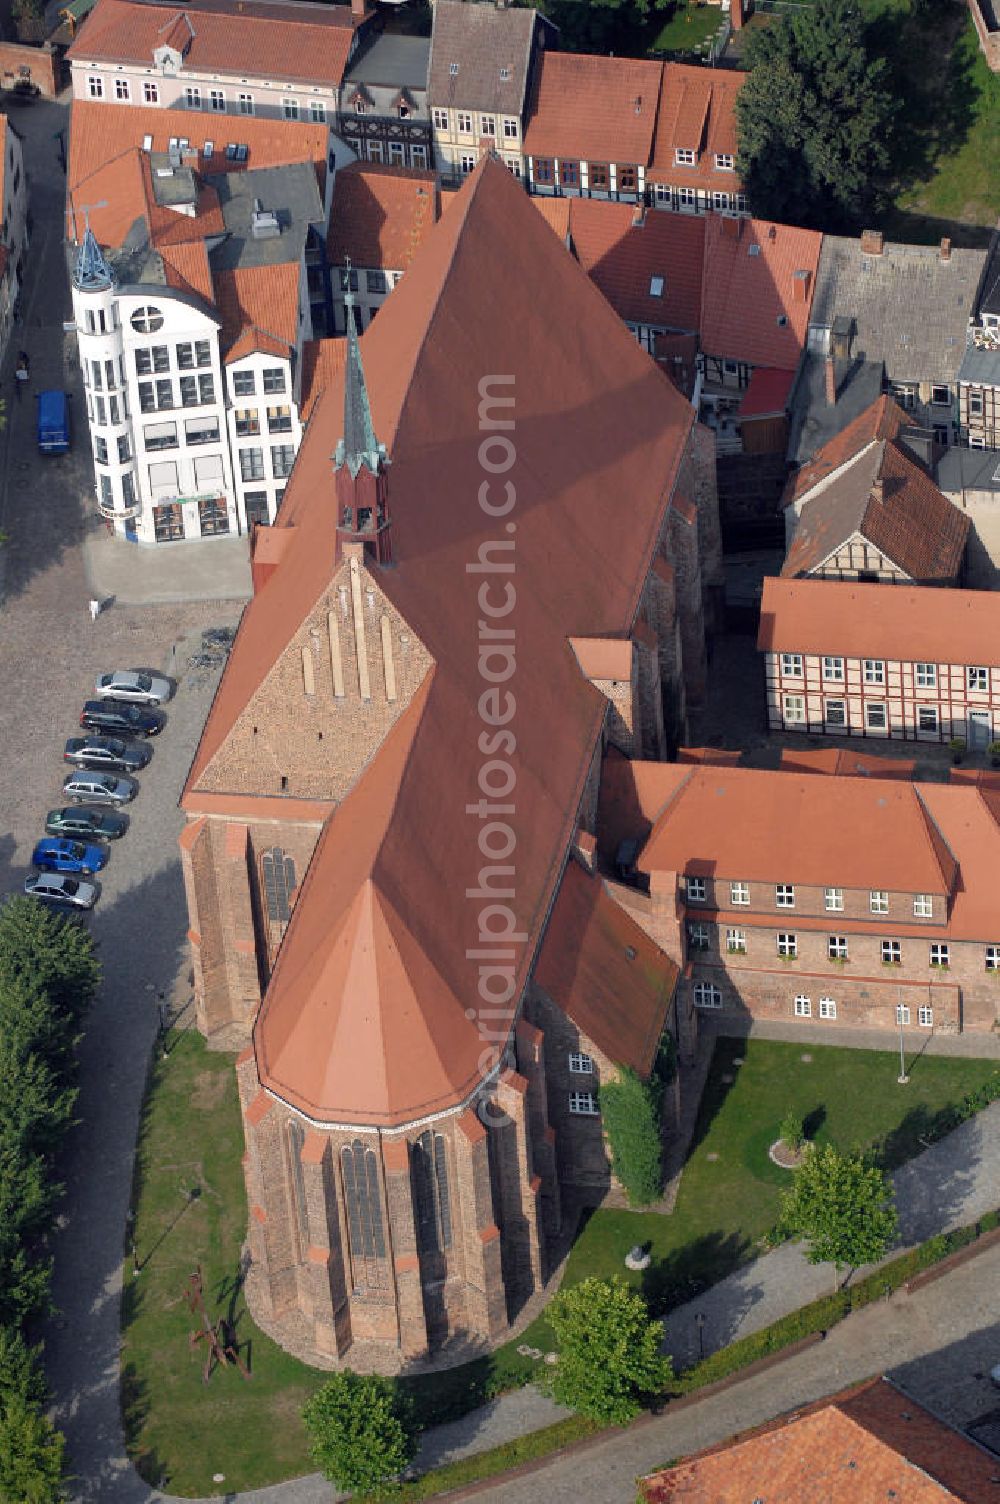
(53,422)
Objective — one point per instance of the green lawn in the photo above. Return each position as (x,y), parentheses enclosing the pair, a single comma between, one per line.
(181,1432)
(689,26)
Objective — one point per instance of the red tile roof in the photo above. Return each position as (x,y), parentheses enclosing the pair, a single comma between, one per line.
(867,1444)
(322,365)
(718,757)
(908,623)
(845,763)
(623,257)
(302,42)
(767,394)
(259,308)
(697,112)
(123,189)
(592,109)
(749,284)
(882,420)
(186,267)
(588,409)
(380,216)
(606,974)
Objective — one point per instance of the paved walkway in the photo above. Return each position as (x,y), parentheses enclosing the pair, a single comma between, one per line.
(120,573)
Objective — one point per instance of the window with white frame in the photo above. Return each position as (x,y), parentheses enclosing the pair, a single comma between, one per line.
(684,156)
(794,708)
(977,679)
(925,1017)
(940,954)
(695,889)
(923,906)
(290,109)
(833,900)
(975,404)
(583,1104)
(787,944)
(878,901)
(151,93)
(736,942)
(464,123)
(833,668)
(902,1013)
(835,712)
(511,129)
(122,90)
(440,118)
(836,947)
(927,718)
(803,1006)
(892,953)
(95,86)
(875,715)
(784,895)
(725,161)
(467,162)
(245,102)
(580,1065)
(874,671)
(216,101)
(707,995)
(487,125)
(192,97)
(739,894)
(941,396)
(317,111)
(791,665)
(827,1007)
(698,936)
(926,675)
(720,201)
(993,958)
(687,198)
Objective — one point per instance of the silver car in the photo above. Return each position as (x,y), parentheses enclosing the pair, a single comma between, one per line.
(134,685)
(57,887)
(89,785)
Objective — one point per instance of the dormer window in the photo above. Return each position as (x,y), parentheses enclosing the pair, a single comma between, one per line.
(404,110)
(684,156)
(359,106)
(453,69)
(725,161)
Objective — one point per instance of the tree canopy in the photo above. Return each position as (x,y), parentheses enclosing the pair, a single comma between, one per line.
(631,1111)
(362,1433)
(609,1350)
(843,1206)
(814,117)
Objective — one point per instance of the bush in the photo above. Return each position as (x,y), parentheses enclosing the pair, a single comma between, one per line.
(609,1351)
(362,1434)
(631,1110)
(791,1132)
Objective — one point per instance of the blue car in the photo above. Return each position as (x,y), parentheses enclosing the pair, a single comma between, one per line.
(68,856)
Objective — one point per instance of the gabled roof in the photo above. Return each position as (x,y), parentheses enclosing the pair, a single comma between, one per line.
(623,258)
(697,112)
(481,55)
(592,414)
(259,308)
(380,215)
(757,288)
(606,974)
(594,109)
(303,42)
(893,503)
(882,419)
(906,623)
(322,363)
(186,267)
(844,762)
(869,1443)
(125,209)
(909,308)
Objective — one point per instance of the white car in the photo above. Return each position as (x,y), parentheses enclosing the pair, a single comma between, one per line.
(56,887)
(91,786)
(133,685)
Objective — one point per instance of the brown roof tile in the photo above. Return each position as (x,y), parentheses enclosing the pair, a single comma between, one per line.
(259,304)
(322,366)
(595,109)
(697,112)
(622,257)
(489,47)
(380,215)
(750,308)
(882,420)
(845,763)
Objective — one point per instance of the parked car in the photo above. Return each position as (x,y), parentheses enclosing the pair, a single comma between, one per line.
(106,752)
(53,422)
(87,784)
(60,855)
(55,887)
(86,824)
(133,685)
(120,718)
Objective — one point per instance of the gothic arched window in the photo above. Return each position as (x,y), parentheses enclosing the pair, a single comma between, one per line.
(278,875)
(431,1200)
(296,1140)
(364,1212)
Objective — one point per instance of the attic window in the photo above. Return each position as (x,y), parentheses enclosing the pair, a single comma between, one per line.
(753,250)
(782,320)
(630,952)
(656,286)
(504,75)
(453,69)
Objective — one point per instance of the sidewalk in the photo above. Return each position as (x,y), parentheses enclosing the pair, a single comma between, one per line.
(120,573)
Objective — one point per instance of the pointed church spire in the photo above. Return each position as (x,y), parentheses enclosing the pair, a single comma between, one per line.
(92,273)
(358,446)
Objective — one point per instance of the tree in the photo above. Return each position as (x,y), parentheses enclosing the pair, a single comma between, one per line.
(362,1432)
(843,1205)
(631,1112)
(790,1130)
(609,1350)
(31,1453)
(813,118)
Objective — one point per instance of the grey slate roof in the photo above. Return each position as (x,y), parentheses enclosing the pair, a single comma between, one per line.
(813,421)
(989,301)
(910,308)
(392,60)
(981,367)
(961,470)
(482,40)
(291,193)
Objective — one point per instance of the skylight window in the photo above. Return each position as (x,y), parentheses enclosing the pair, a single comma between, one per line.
(656,285)
(453,69)
(504,75)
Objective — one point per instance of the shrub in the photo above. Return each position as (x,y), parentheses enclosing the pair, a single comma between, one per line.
(631,1110)
(361,1430)
(791,1132)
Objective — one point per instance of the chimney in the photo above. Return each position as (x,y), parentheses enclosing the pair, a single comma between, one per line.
(830,373)
(358,10)
(878,490)
(736,14)
(872,242)
(638,216)
(730,227)
(945,249)
(800,287)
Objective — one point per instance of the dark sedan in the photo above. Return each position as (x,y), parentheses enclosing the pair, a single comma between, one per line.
(86,824)
(120,719)
(106,752)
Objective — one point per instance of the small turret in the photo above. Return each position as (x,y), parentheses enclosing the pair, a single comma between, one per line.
(360,462)
(92,272)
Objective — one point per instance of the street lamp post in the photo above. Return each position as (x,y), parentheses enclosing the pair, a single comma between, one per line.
(902,1078)
(699,1322)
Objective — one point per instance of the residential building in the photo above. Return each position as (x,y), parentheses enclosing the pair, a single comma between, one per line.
(867,510)
(590,125)
(873,1441)
(384,114)
(279,59)
(861,660)
(970,478)
(481,63)
(854,902)
(406,1157)
(693,164)
(14,229)
(379,219)
(979,373)
(892,316)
